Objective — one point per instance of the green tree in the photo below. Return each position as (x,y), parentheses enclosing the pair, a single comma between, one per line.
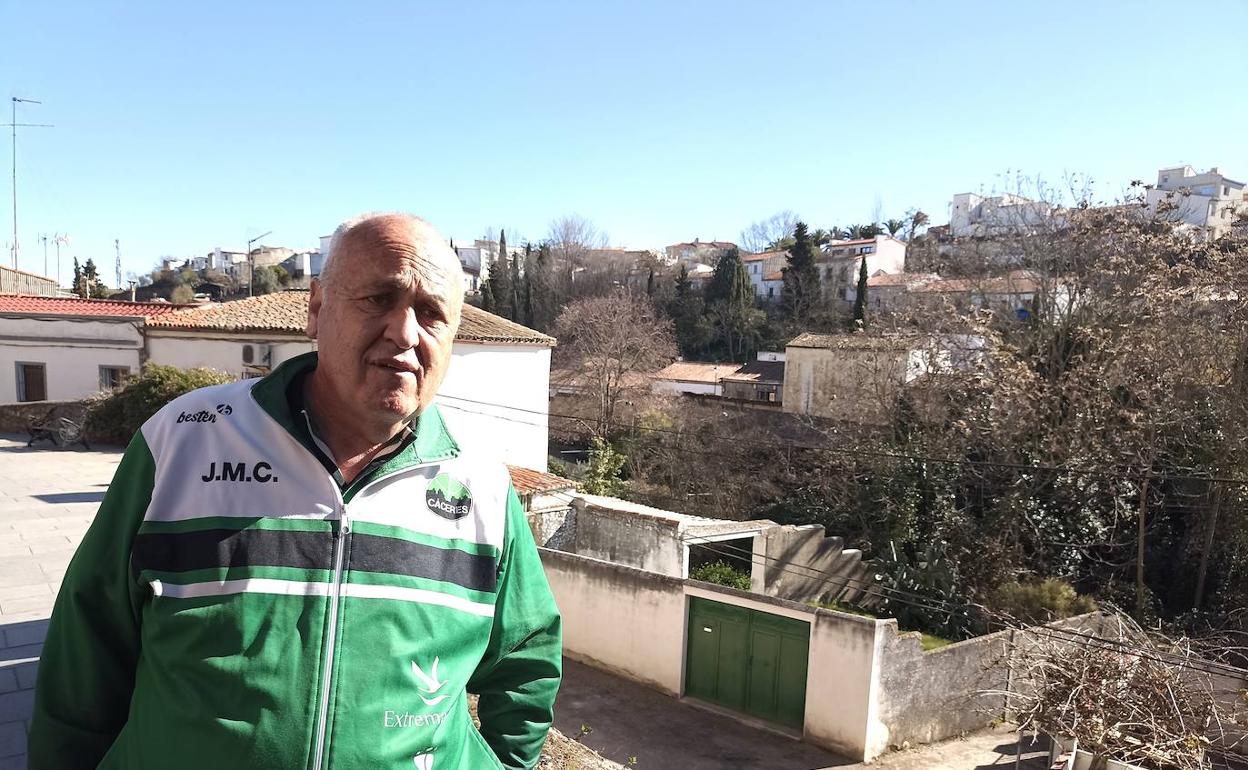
(182,294)
(79,286)
(602,477)
(860,298)
(500,281)
(800,292)
(517,291)
(488,303)
(730,301)
(895,226)
(685,310)
(265,281)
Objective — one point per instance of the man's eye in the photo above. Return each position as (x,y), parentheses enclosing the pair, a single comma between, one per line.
(378,300)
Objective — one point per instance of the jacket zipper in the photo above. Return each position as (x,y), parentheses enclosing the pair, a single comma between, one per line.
(335,599)
(341,531)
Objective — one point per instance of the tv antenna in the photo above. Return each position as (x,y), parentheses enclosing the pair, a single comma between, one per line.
(14,125)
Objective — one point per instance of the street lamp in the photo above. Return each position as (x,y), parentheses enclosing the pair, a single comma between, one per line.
(251,263)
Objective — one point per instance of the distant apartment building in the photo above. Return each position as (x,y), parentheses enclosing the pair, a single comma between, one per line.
(840,262)
(1209,202)
(477,258)
(698,252)
(976,216)
(759,266)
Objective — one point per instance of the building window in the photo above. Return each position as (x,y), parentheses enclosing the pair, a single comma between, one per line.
(1226,190)
(32,382)
(771,292)
(113,377)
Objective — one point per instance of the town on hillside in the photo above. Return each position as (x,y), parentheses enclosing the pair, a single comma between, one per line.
(868,485)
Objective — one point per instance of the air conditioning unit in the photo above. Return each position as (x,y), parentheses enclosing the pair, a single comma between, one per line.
(257,355)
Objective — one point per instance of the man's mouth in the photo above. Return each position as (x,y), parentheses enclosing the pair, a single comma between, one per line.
(402,367)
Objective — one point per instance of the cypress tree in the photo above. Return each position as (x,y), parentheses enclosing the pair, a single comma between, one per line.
(500,280)
(801,276)
(517,292)
(860,301)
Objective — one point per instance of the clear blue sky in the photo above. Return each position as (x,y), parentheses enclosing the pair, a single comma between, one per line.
(181,126)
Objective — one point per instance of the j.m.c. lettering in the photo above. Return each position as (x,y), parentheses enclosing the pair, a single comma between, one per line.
(225,470)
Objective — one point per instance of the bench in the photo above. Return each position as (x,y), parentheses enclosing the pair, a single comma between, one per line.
(63,425)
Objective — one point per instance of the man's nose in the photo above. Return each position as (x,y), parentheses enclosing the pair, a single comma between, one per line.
(403,328)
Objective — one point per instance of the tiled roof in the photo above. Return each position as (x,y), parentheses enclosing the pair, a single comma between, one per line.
(476,325)
(283,312)
(1016,282)
(696,371)
(286,312)
(531,482)
(880,280)
(764,255)
(849,341)
(25,303)
(759,371)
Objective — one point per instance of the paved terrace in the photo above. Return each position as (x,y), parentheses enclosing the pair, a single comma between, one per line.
(47,501)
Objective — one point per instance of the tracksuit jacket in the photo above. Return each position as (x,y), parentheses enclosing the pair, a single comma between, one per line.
(233,607)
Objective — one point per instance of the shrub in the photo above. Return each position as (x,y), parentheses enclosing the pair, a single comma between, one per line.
(721,574)
(117,416)
(1040,602)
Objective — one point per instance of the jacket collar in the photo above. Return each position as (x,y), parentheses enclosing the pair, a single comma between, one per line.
(432,442)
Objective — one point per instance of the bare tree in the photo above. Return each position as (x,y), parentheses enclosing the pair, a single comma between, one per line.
(764,234)
(614,342)
(571,238)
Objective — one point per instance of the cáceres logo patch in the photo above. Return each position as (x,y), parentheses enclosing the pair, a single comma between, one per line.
(448,498)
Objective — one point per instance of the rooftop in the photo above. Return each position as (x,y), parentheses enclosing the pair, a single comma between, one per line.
(530,482)
(764,255)
(850,341)
(759,371)
(696,371)
(1014,282)
(286,312)
(883,280)
(76,306)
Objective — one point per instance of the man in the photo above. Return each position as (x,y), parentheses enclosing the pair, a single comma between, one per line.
(312,573)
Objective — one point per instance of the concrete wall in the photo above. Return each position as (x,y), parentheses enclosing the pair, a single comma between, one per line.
(694,388)
(801,563)
(624,537)
(71,349)
(620,619)
(841,684)
(844,384)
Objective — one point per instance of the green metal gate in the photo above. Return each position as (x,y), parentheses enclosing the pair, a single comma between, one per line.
(747,661)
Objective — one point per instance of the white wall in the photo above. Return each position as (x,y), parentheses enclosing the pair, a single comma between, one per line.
(72,350)
(496,398)
(695,388)
(223,353)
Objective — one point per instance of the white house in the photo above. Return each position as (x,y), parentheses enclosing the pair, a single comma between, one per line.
(1210,202)
(972,215)
(759,266)
(496,389)
(60,348)
(495,394)
(840,262)
(693,377)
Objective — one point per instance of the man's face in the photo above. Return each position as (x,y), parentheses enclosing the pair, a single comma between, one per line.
(386,321)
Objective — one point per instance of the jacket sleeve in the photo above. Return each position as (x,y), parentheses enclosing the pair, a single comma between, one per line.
(519,675)
(87,667)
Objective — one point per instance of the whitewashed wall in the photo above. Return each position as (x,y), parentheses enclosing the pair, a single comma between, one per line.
(496,398)
(72,350)
(694,388)
(223,353)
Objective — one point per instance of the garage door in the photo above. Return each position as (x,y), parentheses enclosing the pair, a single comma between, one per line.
(748,661)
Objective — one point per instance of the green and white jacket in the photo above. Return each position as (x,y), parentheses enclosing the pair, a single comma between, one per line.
(232,607)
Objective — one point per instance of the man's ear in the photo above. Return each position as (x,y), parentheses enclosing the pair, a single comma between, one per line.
(314,307)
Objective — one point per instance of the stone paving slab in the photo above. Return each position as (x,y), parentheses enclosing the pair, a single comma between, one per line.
(48,498)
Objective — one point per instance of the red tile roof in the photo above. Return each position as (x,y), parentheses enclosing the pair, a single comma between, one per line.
(696,371)
(25,303)
(286,312)
(531,482)
(763,255)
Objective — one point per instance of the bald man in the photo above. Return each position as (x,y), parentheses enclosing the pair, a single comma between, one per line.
(318,574)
